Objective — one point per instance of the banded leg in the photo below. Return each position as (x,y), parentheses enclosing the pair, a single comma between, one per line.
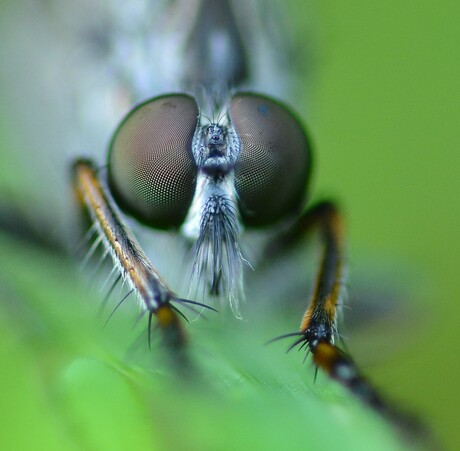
(319,322)
(154,295)
(318,328)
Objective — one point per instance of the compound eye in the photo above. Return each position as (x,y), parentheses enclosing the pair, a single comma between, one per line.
(151,168)
(273,166)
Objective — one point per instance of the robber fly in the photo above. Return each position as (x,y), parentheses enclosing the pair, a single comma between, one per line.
(213,161)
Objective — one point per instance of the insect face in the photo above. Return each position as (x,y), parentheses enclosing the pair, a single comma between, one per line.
(160,150)
(169,170)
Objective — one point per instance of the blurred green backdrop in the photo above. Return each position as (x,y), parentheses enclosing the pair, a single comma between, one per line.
(386,116)
(382,101)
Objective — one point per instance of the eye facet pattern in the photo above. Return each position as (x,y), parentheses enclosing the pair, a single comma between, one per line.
(151,169)
(273,166)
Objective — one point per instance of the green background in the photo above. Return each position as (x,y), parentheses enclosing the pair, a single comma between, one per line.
(386,115)
(382,101)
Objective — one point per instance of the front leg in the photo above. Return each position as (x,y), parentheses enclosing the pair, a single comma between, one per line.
(318,328)
(154,295)
(319,322)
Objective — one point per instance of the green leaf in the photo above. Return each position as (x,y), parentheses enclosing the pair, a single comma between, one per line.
(72,387)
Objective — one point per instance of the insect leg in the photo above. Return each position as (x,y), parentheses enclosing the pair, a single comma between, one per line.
(154,295)
(319,322)
(318,328)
